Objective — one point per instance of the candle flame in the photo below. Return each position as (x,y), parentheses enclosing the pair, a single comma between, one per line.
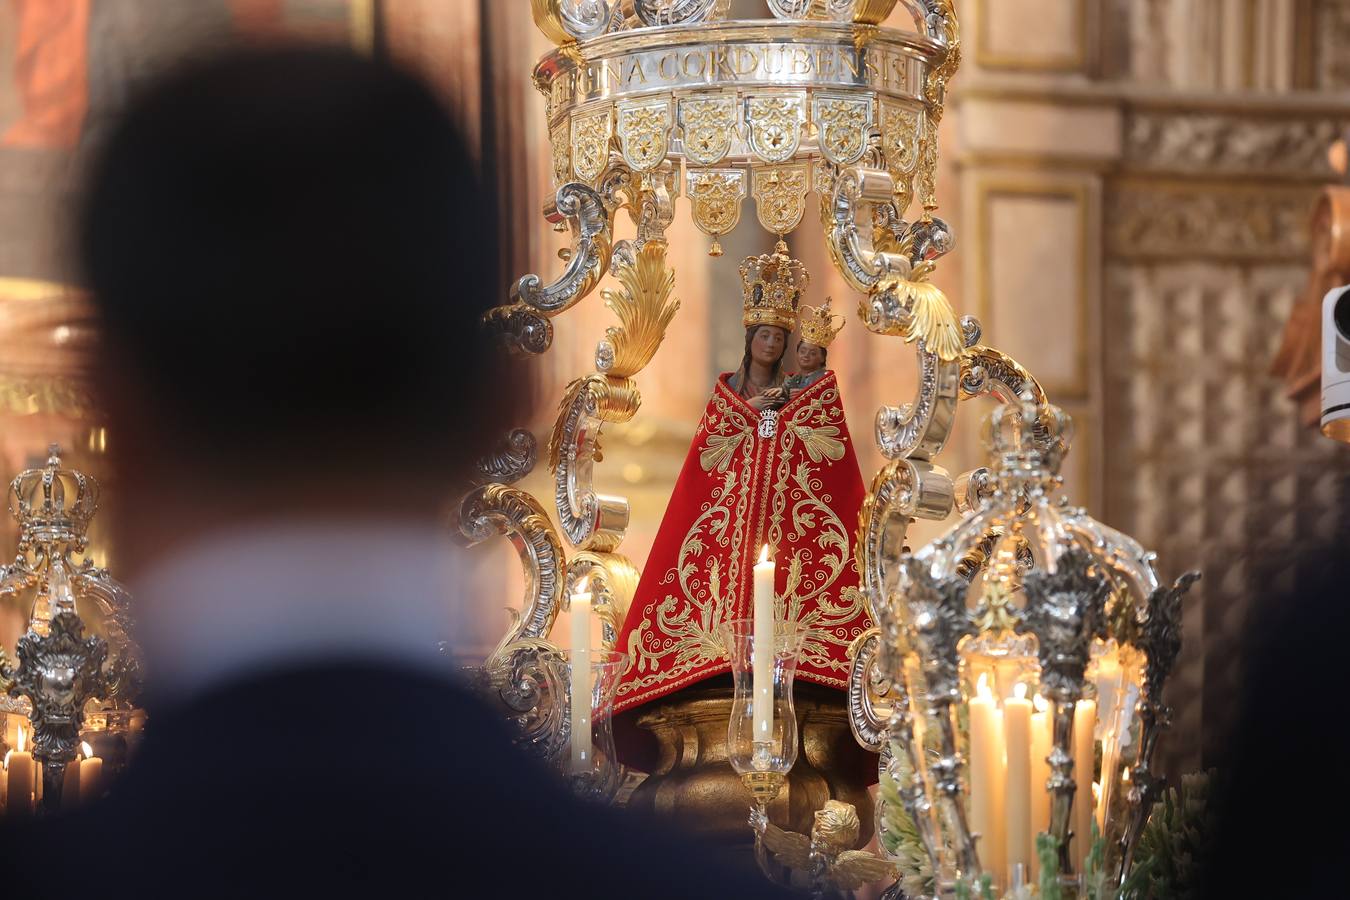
(764,555)
(1020,691)
(88,751)
(8,754)
(1040,704)
(22,740)
(583,585)
(982,686)
(1096,793)
(1125,776)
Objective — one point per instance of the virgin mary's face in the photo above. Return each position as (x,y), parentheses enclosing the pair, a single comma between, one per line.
(767,345)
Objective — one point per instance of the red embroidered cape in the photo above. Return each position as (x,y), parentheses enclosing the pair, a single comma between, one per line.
(799,492)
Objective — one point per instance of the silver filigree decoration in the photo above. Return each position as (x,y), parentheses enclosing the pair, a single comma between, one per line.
(1065,610)
(678,12)
(58,672)
(1160,639)
(936,622)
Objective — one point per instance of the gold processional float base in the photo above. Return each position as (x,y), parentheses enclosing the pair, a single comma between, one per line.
(694,784)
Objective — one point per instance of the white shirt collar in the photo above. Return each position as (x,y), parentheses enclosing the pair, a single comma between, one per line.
(286,593)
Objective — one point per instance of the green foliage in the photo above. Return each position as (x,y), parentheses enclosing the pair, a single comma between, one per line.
(1047,850)
(900,836)
(1177,846)
(1094,877)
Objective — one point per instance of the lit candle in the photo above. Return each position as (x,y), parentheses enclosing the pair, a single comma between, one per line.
(986,776)
(1017,812)
(1040,776)
(91,773)
(762,652)
(19,770)
(580,621)
(1084,722)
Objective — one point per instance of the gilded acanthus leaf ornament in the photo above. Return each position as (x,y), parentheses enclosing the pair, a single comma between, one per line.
(644,307)
(930,317)
(715,197)
(775,122)
(780,196)
(843,124)
(709,125)
(643,130)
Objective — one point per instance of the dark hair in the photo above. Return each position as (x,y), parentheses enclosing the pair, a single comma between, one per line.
(750,332)
(284,248)
(824,351)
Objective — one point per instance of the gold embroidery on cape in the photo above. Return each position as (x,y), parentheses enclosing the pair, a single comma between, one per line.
(686,621)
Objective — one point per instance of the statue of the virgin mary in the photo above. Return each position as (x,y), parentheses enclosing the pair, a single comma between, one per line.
(771,463)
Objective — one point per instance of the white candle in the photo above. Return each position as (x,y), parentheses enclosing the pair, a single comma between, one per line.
(580,621)
(19,775)
(1084,723)
(762,651)
(91,773)
(986,778)
(70,787)
(1017,812)
(1040,776)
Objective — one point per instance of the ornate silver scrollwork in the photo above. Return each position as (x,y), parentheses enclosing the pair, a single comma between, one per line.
(58,672)
(590,520)
(529,678)
(500,509)
(591,222)
(973,489)
(869,711)
(862,265)
(1065,610)
(902,491)
(919,430)
(518,329)
(511,459)
(573,20)
(678,12)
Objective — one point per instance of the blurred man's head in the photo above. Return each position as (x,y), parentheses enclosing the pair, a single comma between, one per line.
(287,249)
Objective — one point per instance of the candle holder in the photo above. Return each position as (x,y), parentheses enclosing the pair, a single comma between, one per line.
(762,755)
(598,775)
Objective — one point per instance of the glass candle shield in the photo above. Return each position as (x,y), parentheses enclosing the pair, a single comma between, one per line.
(762,733)
(591,766)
